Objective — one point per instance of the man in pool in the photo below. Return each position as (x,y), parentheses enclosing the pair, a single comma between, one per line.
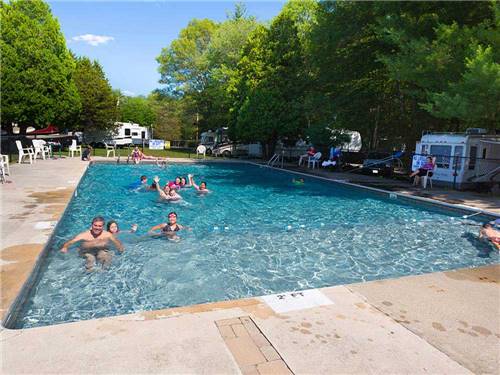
(95,245)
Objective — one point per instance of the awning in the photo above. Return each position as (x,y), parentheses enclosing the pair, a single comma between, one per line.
(51,129)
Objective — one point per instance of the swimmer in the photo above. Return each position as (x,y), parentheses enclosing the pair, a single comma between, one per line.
(143,183)
(184,183)
(95,245)
(162,163)
(113,228)
(203,185)
(169,229)
(168,193)
(488,233)
(298,181)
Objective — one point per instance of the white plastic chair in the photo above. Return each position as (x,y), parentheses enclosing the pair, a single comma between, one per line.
(314,160)
(74,148)
(201,150)
(40,147)
(25,151)
(110,149)
(4,166)
(428,178)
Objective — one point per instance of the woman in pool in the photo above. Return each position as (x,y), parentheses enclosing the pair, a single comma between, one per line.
(184,184)
(168,193)
(169,229)
(200,189)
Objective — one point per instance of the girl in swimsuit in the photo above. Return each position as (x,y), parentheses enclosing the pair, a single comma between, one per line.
(168,229)
(136,155)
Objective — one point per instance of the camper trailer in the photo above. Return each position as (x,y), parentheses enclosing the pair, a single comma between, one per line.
(463,160)
(126,131)
(218,143)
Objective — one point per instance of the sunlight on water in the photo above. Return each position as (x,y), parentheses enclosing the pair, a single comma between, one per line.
(256,234)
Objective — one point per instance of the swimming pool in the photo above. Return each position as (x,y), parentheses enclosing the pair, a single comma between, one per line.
(255,234)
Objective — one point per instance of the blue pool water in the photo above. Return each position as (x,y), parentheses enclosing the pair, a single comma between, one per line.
(255,234)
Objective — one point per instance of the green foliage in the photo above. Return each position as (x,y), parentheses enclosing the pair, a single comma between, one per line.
(183,65)
(442,59)
(36,69)
(168,117)
(475,98)
(99,104)
(386,69)
(136,109)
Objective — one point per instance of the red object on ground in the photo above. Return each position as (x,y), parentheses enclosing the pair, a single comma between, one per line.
(51,129)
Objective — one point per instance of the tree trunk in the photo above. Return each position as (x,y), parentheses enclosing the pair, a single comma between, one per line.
(8,128)
(374,140)
(22,129)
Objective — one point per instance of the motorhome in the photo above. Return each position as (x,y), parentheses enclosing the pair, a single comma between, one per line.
(218,143)
(462,159)
(128,131)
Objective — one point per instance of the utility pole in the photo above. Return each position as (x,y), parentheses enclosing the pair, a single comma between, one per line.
(197,125)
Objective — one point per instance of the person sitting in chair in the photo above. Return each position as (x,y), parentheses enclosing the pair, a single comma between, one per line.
(334,157)
(86,153)
(424,170)
(309,154)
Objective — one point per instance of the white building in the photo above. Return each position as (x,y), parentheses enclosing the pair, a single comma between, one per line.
(462,159)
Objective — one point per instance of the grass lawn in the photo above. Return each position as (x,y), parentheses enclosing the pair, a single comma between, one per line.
(159,153)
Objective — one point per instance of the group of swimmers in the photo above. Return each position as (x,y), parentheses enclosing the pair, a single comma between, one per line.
(170,191)
(95,243)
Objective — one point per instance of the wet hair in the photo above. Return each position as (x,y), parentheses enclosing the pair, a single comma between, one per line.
(487,225)
(98,219)
(203,182)
(172,213)
(178,177)
(111,222)
(153,185)
(143,178)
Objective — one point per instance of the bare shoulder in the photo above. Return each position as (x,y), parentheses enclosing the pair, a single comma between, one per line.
(84,236)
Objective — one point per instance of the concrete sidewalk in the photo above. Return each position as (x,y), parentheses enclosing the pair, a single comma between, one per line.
(445,322)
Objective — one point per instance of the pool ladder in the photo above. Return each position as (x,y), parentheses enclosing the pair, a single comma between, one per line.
(276,159)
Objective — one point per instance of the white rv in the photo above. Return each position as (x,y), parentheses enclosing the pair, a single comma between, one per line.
(218,143)
(462,159)
(128,132)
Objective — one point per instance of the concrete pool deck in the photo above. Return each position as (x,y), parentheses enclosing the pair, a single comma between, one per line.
(444,322)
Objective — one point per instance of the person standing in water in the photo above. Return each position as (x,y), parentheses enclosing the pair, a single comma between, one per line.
(95,245)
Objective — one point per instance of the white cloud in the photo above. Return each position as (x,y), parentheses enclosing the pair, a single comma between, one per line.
(128,93)
(93,40)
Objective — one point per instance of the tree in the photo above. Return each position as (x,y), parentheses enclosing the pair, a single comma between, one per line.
(36,69)
(183,65)
(442,58)
(270,85)
(98,101)
(138,110)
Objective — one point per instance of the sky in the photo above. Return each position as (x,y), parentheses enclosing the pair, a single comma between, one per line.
(127,36)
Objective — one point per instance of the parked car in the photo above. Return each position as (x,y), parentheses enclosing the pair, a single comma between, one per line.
(379,163)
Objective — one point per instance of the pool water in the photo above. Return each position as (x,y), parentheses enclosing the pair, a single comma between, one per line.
(257,233)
